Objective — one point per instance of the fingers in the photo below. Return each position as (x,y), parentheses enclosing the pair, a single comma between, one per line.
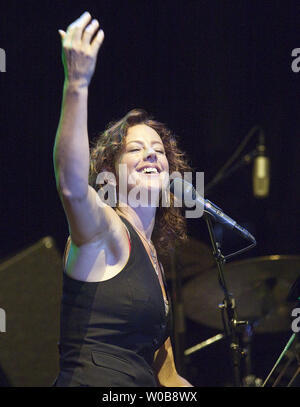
(76,28)
(97,41)
(81,31)
(89,32)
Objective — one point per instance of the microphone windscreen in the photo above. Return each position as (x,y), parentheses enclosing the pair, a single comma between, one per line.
(261,177)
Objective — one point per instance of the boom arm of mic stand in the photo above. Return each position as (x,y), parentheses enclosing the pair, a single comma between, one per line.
(245,160)
(229,306)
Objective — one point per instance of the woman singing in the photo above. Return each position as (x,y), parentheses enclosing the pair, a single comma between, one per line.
(115,311)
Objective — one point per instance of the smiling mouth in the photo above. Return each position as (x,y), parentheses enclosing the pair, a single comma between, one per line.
(149,170)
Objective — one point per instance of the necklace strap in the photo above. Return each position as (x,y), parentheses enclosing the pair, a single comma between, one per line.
(157,265)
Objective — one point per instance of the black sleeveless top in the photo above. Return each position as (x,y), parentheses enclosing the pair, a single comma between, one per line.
(109,330)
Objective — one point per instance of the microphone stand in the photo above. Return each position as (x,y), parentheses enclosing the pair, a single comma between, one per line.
(228,306)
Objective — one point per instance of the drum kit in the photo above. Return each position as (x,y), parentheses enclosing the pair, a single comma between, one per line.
(265,289)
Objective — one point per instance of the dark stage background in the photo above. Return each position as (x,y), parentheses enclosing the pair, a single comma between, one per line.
(211,70)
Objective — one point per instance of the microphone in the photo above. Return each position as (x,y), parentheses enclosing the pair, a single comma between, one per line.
(261,170)
(183,188)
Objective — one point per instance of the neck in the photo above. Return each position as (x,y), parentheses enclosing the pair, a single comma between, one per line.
(142,218)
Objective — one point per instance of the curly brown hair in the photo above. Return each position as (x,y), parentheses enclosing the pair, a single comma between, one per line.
(170,224)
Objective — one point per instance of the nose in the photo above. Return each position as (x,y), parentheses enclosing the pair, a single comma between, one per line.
(150,154)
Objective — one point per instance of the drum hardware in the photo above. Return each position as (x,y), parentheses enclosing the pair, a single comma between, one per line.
(291,355)
(265,299)
(261,286)
(203,344)
(249,379)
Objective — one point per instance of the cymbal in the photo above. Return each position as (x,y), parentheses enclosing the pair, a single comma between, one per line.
(190,258)
(259,285)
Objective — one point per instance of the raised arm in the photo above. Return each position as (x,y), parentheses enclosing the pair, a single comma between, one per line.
(80,45)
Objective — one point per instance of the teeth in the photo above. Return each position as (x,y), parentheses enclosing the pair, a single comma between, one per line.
(149,170)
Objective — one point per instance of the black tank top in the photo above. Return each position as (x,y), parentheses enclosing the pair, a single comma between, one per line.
(109,330)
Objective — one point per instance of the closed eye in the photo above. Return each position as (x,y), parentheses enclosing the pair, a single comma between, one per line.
(138,149)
